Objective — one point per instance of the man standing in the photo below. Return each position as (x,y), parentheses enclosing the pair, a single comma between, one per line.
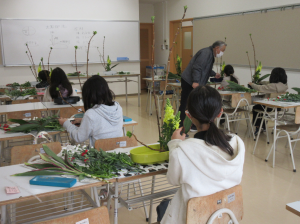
(197,73)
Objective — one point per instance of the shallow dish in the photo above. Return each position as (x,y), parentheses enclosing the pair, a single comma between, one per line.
(144,155)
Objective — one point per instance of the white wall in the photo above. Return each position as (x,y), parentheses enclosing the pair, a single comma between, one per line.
(68,10)
(146,11)
(198,8)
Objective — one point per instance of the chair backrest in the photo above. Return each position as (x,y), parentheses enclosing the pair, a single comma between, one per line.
(21,154)
(67,112)
(25,101)
(23,114)
(274,95)
(237,97)
(95,216)
(200,209)
(297,115)
(113,143)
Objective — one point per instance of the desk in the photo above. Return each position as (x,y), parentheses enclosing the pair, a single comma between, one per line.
(5,109)
(294,207)
(28,191)
(275,105)
(119,76)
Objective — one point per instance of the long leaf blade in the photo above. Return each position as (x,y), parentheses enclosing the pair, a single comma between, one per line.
(40,165)
(19,121)
(45,158)
(49,152)
(39,172)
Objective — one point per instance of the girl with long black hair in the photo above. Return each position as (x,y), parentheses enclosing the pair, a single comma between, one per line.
(210,162)
(103,116)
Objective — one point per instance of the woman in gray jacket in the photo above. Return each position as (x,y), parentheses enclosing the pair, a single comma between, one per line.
(103,117)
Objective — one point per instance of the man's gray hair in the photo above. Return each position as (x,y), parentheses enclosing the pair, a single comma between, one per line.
(219,43)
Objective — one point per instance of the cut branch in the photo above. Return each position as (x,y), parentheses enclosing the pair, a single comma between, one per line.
(87,56)
(145,144)
(168,65)
(249,65)
(76,66)
(49,58)
(31,61)
(253,52)
(153,83)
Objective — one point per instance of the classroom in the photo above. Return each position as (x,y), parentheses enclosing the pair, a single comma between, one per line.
(149,111)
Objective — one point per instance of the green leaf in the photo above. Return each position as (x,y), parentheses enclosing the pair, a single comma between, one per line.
(24,128)
(40,165)
(129,134)
(187,123)
(263,77)
(38,172)
(49,152)
(45,158)
(296,89)
(81,177)
(19,121)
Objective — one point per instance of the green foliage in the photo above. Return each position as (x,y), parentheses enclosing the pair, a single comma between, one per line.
(289,97)
(108,65)
(171,123)
(152,19)
(236,87)
(104,164)
(262,78)
(26,84)
(187,123)
(75,74)
(178,65)
(222,68)
(173,76)
(129,134)
(15,93)
(41,124)
(296,89)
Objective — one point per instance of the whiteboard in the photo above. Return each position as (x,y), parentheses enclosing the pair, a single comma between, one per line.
(121,40)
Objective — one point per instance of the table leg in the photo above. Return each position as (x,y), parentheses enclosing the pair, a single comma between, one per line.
(151,201)
(3,214)
(126,87)
(139,90)
(258,134)
(116,197)
(274,137)
(1,147)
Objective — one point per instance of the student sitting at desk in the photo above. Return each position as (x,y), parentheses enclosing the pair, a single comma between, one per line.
(43,75)
(278,84)
(210,162)
(103,116)
(58,79)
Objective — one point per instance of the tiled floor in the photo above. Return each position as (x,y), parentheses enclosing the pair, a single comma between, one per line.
(266,190)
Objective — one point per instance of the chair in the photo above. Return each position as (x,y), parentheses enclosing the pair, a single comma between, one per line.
(287,131)
(23,114)
(113,143)
(21,154)
(239,104)
(94,216)
(210,209)
(68,111)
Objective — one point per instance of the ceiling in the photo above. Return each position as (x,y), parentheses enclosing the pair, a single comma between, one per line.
(151,1)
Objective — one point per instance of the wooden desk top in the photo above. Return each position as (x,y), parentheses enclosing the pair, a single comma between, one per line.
(277,104)
(4,109)
(294,207)
(157,80)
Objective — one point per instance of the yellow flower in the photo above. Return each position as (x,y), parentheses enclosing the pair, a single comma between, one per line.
(176,120)
(259,67)
(223,66)
(40,67)
(169,112)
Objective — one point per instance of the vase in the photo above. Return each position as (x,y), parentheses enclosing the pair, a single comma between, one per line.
(144,155)
(110,73)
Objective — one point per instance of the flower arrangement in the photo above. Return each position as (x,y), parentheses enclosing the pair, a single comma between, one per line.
(236,87)
(99,165)
(290,97)
(256,79)
(87,54)
(178,65)
(108,64)
(170,124)
(222,67)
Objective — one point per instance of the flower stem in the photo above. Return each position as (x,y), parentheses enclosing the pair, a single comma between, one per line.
(145,144)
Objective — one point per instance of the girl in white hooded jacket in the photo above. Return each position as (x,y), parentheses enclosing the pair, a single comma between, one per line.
(103,117)
(210,162)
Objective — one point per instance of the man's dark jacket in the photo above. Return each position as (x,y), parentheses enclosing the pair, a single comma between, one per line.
(200,67)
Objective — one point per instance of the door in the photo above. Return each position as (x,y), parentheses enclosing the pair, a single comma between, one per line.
(187,46)
(146,39)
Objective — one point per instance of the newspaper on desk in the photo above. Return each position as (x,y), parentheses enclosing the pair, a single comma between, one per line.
(121,174)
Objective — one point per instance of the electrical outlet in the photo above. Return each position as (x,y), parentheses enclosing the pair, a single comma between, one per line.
(167,46)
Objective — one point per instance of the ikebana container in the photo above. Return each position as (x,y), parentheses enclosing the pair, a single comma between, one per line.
(144,155)
(216,80)
(110,72)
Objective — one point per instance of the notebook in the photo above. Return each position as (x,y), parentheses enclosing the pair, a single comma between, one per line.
(53,181)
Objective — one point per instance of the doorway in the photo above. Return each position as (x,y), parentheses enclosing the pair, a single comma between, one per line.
(146,39)
(183,46)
